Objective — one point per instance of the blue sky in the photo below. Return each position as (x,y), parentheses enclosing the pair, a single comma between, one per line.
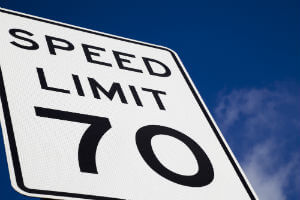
(244,58)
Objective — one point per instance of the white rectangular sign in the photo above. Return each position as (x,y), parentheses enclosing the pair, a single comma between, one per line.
(90,115)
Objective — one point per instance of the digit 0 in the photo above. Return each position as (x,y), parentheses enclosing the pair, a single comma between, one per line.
(205,173)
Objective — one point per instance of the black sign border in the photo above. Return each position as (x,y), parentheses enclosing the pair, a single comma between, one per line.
(10,132)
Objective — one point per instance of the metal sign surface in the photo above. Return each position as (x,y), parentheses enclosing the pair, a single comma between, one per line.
(90,115)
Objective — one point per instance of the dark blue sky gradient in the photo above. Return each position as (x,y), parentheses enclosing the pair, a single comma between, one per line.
(224,45)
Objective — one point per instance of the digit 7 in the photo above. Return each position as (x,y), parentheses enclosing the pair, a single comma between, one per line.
(90,139)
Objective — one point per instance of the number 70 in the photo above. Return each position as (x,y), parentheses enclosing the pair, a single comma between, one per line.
(100,125)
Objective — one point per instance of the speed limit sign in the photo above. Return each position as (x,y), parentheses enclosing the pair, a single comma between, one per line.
(88,115)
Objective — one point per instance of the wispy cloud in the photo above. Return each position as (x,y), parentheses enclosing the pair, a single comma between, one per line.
(268,181)
(262,127)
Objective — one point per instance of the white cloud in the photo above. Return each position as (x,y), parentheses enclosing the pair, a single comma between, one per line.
(262,126)
(268,184)
(261,107)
